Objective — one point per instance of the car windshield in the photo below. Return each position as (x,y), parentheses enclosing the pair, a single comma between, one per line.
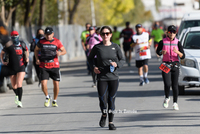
(192,40)
(191,23)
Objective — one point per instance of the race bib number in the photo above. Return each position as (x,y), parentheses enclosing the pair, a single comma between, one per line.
(165,67)
(143,53)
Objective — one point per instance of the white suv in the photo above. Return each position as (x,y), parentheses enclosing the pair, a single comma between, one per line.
(190,66)
(189,20)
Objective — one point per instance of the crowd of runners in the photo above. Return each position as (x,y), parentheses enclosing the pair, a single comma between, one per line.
(102,48)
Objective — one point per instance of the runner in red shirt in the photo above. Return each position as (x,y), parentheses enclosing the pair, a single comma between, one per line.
(50,48)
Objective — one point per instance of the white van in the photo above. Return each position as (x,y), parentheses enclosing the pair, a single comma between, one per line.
(189,20)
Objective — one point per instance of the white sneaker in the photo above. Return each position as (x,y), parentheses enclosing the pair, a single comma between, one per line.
(175,106)
(94,86)
(16,100)
(166,102)
(19,104)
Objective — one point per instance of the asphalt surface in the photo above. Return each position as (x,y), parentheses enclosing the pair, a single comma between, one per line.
(138,109)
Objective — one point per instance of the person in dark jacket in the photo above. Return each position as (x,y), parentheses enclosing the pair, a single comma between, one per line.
(109,59)
(39,35)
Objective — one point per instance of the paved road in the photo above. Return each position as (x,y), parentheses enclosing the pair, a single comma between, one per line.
(139,109)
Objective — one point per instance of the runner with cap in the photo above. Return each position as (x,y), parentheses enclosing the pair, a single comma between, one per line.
(142,43)
(171,49)
(50,48)
(127,34)
(13,67)
(91,41)
(17,79)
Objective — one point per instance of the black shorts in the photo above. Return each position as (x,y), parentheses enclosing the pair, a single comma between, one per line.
(53,73)
(127,47)
(140,63)
(22,68)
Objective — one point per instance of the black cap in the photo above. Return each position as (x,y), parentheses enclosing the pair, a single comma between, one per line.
(48,30)
(171,28)
(92,28)
(138,25)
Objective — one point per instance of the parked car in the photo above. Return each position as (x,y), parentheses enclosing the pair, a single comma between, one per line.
(190,66)
(189,20)
(30,75)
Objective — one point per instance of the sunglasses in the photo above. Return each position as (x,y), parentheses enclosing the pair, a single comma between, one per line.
(103,34)
(172,31)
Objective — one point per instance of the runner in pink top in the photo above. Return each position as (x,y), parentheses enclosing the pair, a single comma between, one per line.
(91,41)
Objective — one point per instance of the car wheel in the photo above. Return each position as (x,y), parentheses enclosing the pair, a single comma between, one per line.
(181,90)
(31,80)
(4,87)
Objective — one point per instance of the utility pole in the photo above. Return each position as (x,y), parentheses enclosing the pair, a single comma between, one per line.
(93,13)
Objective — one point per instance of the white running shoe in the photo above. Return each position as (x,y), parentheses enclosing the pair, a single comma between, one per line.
(166,102)
(175,106)
(19,104)
(16,100)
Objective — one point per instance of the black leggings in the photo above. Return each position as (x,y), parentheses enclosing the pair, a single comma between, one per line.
(171,79)
(13,67)
(107,91)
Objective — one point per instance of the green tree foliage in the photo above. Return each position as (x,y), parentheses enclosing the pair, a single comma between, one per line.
(50,13)
(138,14)
(110,12)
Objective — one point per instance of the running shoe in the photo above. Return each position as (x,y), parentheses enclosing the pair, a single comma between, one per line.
(146,80)
(102,121)
(166,102)
(175,106)
(19,104)
(47,102)
(112,127)
(142,83)
(16,100)
(54,104)
(94,86)
(129,64)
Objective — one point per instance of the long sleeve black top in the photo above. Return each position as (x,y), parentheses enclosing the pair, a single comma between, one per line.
(104,55)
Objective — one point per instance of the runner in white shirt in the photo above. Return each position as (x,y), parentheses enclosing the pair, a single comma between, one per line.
(142,44)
